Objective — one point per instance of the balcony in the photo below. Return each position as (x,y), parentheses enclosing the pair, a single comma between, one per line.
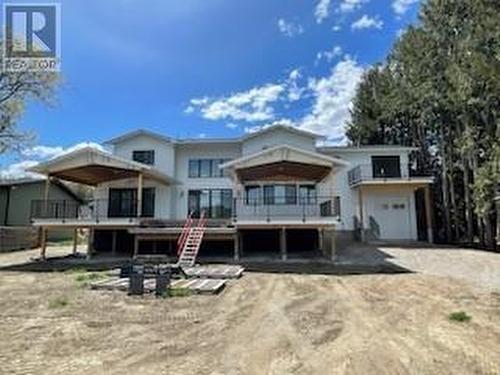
(288,209)
(366,173)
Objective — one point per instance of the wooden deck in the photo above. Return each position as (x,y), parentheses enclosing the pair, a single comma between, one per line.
(215,271)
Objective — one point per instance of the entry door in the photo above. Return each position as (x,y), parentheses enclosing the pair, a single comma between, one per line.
(392,218)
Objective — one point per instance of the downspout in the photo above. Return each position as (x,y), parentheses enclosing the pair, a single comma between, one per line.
(7,207)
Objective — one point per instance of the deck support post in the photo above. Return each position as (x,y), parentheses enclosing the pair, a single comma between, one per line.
(321,240)
(428,214)
(237,244)
(43,244)
(136,246)
(284,254)
(361,214)
(46,197)
(333,246)
(139,194)
(113,242)
(90,242)
(75,240)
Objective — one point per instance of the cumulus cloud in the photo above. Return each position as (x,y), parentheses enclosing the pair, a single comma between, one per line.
(39,153)
(329,55)
(367,22)
(322,10)
(347,6)
(333,96)
(231,125)
(400,7)
(295,90)
(251,105)
(289,29)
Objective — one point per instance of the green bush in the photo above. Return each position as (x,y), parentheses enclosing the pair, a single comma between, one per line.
(58,302)
(177,292)
(459,316)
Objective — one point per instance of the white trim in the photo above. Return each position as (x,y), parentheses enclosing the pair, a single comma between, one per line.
(373,148)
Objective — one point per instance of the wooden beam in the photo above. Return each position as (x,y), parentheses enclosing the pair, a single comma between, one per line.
(90,242)
(333,245)
(136,246)
(139,194)
(236,239)
(46,195)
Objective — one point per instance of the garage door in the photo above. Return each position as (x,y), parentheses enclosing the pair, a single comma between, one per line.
(392,218)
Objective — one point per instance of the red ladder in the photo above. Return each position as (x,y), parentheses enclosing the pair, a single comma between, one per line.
(190,239)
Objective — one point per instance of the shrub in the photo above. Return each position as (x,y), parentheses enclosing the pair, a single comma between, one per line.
(177,292)
(459,316)
(58,302)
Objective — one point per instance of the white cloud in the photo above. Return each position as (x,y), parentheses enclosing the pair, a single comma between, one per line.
(231,125)
(347,6)
(332,99)
(289,29)
(336,28)
(400,7)
(40,153)
(367,22)
(18,170)
(295,91)
(251,105)
(329,55)
(322,10)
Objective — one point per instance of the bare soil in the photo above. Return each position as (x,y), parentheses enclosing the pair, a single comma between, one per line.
(260,324)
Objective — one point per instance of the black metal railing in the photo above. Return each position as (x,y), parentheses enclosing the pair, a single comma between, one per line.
(289,208)
(366,172)
(94,210)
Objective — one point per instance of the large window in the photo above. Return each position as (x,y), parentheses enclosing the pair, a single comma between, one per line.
(386,167)
(144,156)
(217,203)
(307,194)
(278,194)
(206,168)
(123,202)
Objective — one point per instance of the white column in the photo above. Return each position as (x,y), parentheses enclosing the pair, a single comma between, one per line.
(428,214)
(284,254)
(237,241)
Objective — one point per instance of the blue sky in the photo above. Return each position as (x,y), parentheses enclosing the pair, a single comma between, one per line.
(208,68)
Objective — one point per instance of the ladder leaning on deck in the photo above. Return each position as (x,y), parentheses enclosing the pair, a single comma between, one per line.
(190,240)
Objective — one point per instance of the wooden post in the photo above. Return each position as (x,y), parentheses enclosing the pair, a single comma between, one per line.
(139,194)
(321,241)
(90,242)
(333,245)
(361,214)
(284,254)
(46,197)
(43,244)
(113,242)
(136,246)
(428,215)
(75,240)
(236,239)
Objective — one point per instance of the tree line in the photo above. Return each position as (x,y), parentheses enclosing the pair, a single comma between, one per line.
(439,90)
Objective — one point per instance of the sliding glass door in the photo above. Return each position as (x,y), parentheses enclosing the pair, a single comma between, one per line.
(216,203)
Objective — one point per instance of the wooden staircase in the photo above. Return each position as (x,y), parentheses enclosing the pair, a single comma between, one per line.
(190,240)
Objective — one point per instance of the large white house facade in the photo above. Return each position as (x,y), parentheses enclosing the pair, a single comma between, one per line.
(273,193)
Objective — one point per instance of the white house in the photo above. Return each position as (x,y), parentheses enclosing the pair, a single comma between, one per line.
(270,193)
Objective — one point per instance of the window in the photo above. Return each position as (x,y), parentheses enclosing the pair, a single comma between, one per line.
(144,156)
(307,194)
(206,168)
(252,195)
(272,194)
(123,202)
(217,203)
(386,167)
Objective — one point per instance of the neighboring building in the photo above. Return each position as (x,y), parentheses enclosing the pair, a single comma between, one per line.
(273,192)
(16,197)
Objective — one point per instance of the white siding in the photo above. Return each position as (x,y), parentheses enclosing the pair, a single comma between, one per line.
(275,138)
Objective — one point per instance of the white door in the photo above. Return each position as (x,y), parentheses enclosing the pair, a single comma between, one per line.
(391,217)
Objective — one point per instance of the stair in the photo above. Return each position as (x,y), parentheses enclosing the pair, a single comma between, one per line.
(190,240)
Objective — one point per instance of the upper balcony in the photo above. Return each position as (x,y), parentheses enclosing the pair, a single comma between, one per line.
(372,174)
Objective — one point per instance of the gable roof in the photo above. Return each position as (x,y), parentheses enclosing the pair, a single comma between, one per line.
(41,180)
(290,129)
(137,133)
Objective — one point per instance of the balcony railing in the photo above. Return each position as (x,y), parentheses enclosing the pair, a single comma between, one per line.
(95,210)
(288,208)
(366,172)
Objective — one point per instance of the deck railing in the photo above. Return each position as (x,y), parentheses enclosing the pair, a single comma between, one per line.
(287,208)
(366,172)
(94,210)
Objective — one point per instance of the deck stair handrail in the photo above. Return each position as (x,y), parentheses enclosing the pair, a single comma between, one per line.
(185,233)
(192,243)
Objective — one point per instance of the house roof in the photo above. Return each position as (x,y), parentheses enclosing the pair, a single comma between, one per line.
(366,148)
(29,180)
(91,166)
(136,133)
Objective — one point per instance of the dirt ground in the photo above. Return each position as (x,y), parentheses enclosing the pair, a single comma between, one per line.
(260,324)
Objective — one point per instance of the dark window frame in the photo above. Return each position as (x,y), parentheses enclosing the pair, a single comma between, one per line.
(386,166)
(144,156)
(223,210)
(212,166)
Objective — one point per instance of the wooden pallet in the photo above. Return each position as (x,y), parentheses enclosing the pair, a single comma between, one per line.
(215,272)
(196,286)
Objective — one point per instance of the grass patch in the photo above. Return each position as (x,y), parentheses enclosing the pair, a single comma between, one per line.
(58,302)
(459,316)
(177,292)
(84,279)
